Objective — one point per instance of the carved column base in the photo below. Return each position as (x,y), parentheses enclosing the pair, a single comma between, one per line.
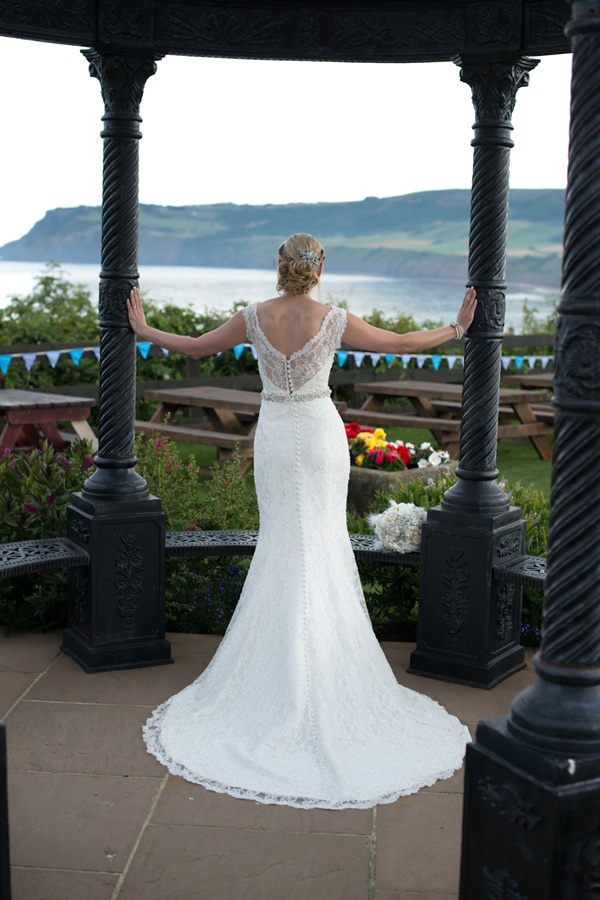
(116,617)
(469,625)
(532,820)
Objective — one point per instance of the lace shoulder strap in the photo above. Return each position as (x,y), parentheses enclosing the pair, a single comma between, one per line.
(253,332)
(335,326)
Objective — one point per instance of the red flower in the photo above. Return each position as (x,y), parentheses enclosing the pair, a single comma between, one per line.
(376,456)
(353,429)
(31,508)
(404,453)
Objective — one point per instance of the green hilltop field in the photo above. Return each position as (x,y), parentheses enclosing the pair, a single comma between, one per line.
(421,235)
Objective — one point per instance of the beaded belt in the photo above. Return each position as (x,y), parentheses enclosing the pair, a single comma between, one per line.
(287,398)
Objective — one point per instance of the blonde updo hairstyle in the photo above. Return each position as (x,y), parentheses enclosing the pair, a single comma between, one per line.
(296,271)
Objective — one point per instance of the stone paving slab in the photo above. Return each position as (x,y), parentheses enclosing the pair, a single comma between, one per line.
(93,815)
(244,864)
(65,821)
(182,803)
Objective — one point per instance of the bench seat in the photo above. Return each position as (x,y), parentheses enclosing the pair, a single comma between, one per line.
(201,435)
(369,417)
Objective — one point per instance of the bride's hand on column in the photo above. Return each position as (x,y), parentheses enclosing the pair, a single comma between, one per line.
(135,311)
(466,312)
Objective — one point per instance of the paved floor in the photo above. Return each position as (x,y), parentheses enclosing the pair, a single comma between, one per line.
(93,816)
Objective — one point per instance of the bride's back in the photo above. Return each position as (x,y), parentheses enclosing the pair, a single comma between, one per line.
(290,321)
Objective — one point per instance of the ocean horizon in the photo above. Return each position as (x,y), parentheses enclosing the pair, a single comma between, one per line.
(218,288)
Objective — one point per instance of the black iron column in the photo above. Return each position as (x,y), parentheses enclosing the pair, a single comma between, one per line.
(116,606)
(532,799)
(469,627)
(5,890)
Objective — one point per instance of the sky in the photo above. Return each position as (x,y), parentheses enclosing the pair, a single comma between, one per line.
(256,132)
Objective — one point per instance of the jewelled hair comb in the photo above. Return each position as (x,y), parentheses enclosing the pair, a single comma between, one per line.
(308,256)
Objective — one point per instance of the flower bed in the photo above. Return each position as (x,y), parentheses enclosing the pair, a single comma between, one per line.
(380,465)
(370,449)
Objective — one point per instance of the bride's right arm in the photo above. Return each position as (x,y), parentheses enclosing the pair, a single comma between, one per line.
(226,336)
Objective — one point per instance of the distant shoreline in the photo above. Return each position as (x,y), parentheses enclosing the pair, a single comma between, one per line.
(422,236)
(551,285)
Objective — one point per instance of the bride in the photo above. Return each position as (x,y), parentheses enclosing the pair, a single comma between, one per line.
(299,705)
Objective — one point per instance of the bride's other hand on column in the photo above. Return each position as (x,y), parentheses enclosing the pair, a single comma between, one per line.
(135,311)
(466,312)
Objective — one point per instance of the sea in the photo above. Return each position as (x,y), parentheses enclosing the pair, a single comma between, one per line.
(218,289)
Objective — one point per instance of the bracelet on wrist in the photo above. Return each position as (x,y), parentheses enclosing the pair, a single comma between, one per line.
(460,331)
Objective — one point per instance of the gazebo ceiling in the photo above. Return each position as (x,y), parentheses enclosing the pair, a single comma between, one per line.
(335,30)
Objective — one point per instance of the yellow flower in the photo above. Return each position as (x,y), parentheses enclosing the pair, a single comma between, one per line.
(379,434)
(360,459)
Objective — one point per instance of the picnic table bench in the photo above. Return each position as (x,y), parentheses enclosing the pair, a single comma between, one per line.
(232,418)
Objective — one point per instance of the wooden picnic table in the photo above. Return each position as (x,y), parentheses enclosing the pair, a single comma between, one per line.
(437,407)
(232,418)
(31,416)
(530,380)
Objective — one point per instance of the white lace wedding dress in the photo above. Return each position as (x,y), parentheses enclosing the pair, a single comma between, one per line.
(299,705)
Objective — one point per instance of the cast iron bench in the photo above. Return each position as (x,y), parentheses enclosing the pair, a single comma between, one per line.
(58,553)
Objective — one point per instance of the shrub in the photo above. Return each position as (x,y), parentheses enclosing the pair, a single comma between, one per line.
(200,594)
(35,490)
(53,312)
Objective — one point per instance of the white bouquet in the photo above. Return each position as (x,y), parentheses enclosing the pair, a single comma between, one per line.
(399,526)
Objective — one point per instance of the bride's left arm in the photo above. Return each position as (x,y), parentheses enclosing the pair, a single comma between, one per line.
(363,336)
(226,336)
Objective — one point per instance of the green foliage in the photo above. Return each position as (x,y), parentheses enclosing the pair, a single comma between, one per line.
(35,490)
(534,324)
(231,503)
(178,483)
(55,312)
(398,322)
(225,501)
(201,594)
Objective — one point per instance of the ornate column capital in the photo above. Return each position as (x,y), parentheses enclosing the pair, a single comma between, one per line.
(494,85)
(122,80)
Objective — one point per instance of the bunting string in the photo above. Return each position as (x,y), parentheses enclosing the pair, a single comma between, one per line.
(342,356)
